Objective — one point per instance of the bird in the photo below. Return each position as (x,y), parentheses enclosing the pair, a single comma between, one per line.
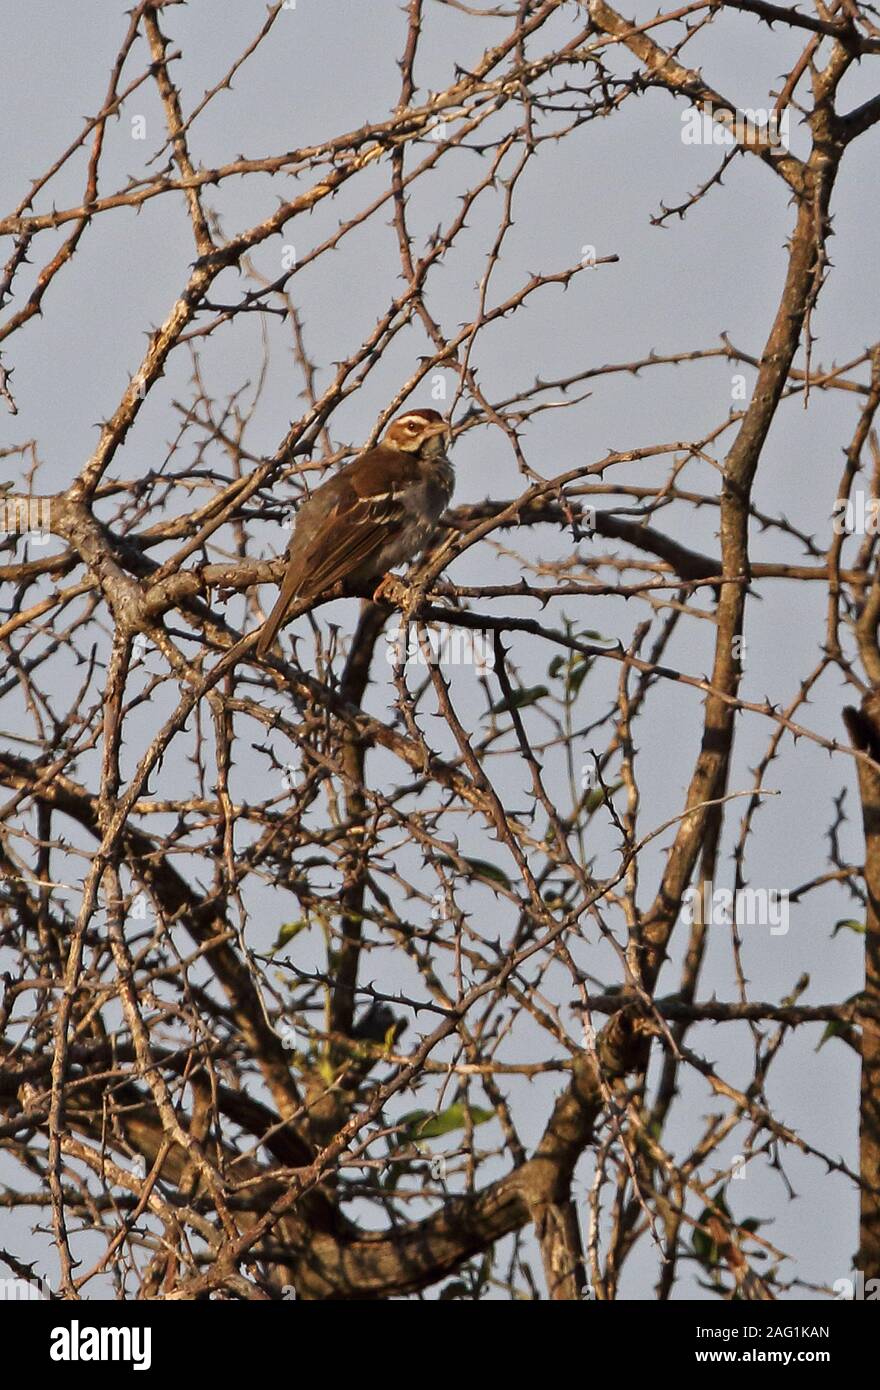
(378,511)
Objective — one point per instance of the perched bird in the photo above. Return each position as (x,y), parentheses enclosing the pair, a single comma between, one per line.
(376,512)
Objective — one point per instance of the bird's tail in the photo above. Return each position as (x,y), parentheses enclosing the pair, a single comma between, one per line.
(272,624)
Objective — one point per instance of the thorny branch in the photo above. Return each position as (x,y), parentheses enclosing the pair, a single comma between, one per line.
(279,937)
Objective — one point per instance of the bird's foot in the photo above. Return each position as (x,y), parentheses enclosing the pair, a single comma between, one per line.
(392,590)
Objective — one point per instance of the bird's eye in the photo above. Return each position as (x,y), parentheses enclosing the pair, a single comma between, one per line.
(412,427)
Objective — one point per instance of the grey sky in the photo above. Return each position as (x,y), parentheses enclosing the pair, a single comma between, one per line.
(328,66)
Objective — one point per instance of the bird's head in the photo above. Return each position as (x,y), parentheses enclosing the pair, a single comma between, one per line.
(422,432)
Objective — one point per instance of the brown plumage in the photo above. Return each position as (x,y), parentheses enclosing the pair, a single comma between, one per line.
(375,513)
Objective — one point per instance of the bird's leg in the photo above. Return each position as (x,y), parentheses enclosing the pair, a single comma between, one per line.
(407,596)
(380,590)
(413,600)
(391,589)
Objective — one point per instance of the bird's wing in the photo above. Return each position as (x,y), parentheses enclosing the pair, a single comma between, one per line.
(357,512)
(369,511)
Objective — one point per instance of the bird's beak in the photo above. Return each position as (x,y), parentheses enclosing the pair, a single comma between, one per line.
(443,427)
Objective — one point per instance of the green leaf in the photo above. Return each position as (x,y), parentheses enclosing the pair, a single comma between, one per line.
(519,699)
(579,671)
(838,1027)
(704,1246)
(574,668)
(834,1029)
(480,868)
(289,930)
(592,800)
(424,1124)
(851,925)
